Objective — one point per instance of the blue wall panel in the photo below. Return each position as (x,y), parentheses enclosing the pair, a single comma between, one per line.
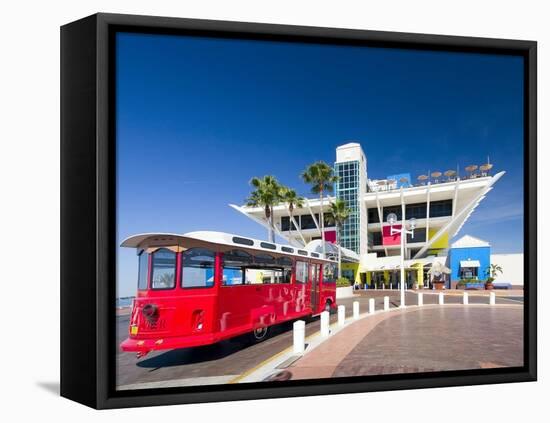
(482,254)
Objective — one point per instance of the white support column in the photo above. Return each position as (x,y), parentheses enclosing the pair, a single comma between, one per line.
(325,324)
(356,310)
(420,299)
(341,315)
(386,303)
(299,336)
(465,298)
(492,298)
(428,212)
(441,298)
(455,198)
(295,223)
(312,214)
(372,306)
(466,209)
(380,214)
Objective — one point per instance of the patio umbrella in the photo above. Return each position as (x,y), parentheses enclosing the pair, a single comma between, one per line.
(438,268)
(485,168)
(422,178)
(436,175)
(470,169)
(450,174)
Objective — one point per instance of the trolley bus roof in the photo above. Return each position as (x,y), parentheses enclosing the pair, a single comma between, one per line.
(153,240)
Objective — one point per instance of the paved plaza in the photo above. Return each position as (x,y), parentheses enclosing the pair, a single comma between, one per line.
(428,339)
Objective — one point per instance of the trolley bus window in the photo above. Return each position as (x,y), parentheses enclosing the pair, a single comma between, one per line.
(142,270)
(197,268)
(301,271)
(329,272)
(233,264)
(164,269)
(264,276)
(287,268)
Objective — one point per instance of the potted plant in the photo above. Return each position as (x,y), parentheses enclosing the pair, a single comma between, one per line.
(492,270)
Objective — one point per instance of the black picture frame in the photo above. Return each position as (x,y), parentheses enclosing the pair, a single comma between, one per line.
(88,210)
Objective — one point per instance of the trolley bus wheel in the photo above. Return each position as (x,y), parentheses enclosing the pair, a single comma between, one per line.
(259,334)
(328,306)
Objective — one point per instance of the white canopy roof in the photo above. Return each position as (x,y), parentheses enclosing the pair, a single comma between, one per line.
(204,238)
(469,263)
(468,241)
(331,250)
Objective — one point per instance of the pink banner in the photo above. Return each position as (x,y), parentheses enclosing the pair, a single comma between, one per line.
(387,238)
(330,236)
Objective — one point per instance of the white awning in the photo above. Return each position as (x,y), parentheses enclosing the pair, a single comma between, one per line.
(469,263)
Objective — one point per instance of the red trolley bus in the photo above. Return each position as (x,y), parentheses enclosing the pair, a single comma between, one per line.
(204,287)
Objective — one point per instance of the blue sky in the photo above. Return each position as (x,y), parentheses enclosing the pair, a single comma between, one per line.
(198,117)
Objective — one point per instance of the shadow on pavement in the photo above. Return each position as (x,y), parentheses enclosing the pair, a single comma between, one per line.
(220,350)
(51,387)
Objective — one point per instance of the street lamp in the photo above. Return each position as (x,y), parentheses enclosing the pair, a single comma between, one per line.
(403,231)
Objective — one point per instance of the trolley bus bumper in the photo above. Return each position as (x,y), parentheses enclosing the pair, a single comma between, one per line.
(168,343)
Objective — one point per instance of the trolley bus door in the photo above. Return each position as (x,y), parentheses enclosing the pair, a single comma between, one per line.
(315,270)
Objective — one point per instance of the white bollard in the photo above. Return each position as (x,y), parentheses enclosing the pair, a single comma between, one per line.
(299,332)
(386,303)
(441,298)
(325,324)
(420,299)
(371,306)
(391,286)
(341,315)
(492,298)
(465,298)
(356,310)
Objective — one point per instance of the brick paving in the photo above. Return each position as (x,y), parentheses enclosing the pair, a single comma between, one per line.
(420,340)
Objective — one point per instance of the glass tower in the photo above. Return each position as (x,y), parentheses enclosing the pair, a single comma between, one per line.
(347,189)
(351,168)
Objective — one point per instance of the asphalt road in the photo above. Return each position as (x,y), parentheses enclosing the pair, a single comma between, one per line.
(222,362)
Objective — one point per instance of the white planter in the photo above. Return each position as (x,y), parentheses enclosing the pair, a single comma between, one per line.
(344,292)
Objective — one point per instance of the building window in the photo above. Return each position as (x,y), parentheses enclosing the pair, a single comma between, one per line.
(348,274)
(197,268)
(392,209)
(419,236)
(441,208)
(376,238)
(417,210)
(286,223)
(142,270)
(468,272)
(372,215)
(163,269)
(307,222)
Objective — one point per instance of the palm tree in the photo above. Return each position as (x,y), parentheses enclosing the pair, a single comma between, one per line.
(293,200)
(266,194)
(493,270)
(321,177)
(339,213)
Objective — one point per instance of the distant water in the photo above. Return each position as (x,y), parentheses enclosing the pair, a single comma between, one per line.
(124,301)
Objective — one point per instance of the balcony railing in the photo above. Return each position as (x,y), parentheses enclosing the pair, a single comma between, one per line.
(385,185)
